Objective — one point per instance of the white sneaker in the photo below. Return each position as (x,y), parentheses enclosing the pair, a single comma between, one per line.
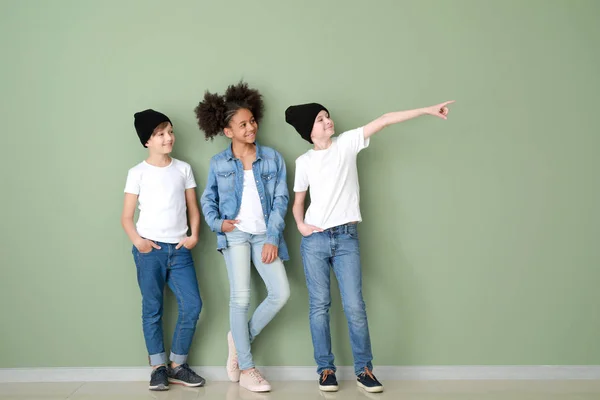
(254,381)
(233,368)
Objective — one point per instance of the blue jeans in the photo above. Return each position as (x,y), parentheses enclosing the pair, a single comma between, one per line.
(175,268)
(243,248)
(336,248)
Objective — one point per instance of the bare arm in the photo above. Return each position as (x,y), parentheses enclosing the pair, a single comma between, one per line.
(439,110)
(127,218)
(193,211)
(193,219)
(298,211)
(143,245)
(298,207)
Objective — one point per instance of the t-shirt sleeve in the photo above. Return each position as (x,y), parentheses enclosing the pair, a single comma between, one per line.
(353,141)
(190,182)
(301,177)
(132,185)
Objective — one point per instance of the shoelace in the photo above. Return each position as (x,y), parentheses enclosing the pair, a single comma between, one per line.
(160,372)
(256,376)
(368,373)
(234,362)
(326,373)
(187,369)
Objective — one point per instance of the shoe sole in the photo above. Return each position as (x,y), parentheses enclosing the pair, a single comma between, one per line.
(158,388)
(329,388)
(178,382)
(376,389)
(256,391)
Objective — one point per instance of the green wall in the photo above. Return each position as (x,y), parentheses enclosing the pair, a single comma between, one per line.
(480,233)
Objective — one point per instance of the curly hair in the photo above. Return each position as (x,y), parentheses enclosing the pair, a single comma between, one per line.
(215,111)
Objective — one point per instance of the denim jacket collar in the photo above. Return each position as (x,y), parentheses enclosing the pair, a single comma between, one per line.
(229,152)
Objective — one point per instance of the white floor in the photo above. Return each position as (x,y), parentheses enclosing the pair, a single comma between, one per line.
(304,390)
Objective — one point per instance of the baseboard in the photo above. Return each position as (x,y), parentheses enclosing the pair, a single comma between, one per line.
(384,373)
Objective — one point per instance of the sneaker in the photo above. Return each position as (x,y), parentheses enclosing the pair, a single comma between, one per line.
(254,382)
(368,382)
(233,368)
(184,375)
(159,379)
(327,381)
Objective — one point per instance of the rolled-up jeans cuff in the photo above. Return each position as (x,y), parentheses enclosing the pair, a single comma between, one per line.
(178,359)
(158,359)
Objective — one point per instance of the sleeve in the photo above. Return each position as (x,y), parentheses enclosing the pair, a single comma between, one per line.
(301,177)
(353,141)
(276,223)
(209,201)
(190,182)
(132,185)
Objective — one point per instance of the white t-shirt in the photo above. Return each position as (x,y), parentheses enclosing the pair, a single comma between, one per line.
(161,197)
(332,177)
(251,215)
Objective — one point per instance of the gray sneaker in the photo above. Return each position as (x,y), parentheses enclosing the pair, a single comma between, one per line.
(184,375)
(158,379)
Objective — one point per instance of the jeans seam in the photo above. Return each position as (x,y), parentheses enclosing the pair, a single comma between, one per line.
(182,312)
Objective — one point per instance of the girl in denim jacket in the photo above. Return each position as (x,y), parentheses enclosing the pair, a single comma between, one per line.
(244,202)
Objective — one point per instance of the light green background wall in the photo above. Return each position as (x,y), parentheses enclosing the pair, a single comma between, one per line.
(480,233)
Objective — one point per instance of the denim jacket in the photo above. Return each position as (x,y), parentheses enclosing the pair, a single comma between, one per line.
(222,196)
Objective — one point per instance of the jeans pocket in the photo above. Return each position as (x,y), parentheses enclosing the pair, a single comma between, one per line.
(305,242)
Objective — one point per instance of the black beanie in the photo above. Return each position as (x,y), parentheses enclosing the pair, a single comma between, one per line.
(146,121)
(302,117)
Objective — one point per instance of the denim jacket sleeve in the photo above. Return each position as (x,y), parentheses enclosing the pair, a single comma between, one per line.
(210,201)
(279,206)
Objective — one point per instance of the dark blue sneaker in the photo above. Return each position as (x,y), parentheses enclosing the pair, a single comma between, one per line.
(184,375)
(328,382)
(159,379)
(367,381)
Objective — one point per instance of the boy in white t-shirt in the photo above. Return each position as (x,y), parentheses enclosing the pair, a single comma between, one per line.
(165,190)
(329,230)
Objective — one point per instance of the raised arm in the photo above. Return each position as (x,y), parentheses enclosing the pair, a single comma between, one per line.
(438,110)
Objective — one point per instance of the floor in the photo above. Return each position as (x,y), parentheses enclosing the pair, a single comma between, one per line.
(304,390)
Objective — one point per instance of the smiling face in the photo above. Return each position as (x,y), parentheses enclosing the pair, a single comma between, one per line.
(162,139)
(242,127)
(323,128)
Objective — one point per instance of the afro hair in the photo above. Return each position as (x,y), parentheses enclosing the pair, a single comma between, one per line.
(215,111)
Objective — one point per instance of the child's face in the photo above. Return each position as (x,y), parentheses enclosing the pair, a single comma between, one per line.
(162,140)
(323,127)
(242,127)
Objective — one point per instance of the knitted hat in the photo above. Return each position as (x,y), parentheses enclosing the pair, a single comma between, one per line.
(146,121)
(302,117)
